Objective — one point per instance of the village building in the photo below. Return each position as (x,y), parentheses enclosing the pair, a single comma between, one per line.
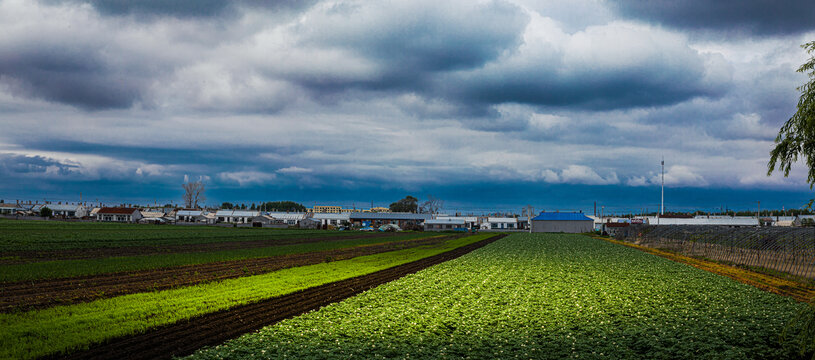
(500,223)
(11,209)
(118,214)
(326,219)
(189,215)
(236,216)
(402,220)
(446,224)
(566,222)
(62,210)
(291,219)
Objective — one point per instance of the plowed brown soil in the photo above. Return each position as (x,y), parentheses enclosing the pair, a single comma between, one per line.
(16,257)
(185,337)
(39,294)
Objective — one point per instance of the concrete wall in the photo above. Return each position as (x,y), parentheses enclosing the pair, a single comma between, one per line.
(566,226)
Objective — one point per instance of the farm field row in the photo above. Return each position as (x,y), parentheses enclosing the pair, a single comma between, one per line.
(86,267)
(21,235)
(64,328)
(538,296)
(27,295)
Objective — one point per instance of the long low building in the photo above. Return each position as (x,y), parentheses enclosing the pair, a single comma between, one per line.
(565,222)
(445,224)
(732,221)
(402,220)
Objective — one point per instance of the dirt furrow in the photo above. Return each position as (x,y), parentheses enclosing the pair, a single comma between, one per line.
(184,337)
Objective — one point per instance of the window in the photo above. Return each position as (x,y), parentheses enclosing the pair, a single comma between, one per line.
(494,225)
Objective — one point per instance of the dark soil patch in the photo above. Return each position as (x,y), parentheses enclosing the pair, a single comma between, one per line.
(28,295)
(17,257)
(184,337)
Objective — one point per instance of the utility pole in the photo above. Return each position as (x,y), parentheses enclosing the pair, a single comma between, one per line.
(758,215)
(662,204)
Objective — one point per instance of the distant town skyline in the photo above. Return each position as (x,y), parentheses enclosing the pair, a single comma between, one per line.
(486,105)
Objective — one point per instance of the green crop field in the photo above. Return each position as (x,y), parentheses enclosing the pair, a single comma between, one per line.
(71,268)
(538,296)
(70,327)
(17,235)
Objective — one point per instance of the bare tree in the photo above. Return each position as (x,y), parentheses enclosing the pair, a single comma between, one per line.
(193,193)
(432,205)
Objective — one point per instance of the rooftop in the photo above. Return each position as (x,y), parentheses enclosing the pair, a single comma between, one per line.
(562,216)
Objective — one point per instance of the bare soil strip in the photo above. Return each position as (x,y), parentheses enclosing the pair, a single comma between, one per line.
(185,337)
(29,295)
(774,284)
(17,257)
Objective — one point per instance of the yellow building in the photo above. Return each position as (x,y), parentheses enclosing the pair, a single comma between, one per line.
(327,209)
(380,209)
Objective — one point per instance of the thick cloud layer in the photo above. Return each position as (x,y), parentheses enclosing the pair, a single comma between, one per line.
(753,17)
(392,95)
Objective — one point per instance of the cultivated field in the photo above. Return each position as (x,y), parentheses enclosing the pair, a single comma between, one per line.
(113,291)
(538,296)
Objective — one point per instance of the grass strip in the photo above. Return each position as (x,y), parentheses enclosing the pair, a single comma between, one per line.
(85,267)
(64,328)
(774,284)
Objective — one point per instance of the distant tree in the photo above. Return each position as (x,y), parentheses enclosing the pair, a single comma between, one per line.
(409,204)
(2,201)
(46,212)
(432,205)
(283,206)
(252,207)
(168,205)
(243,206)
(227,205)
(193,193)
(796,139)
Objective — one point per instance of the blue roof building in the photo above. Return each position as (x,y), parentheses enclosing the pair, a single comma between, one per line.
(566,222)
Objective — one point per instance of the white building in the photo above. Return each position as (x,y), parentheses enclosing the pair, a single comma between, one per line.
(733,221)
(470,222)
(118,215)
(445,224)
(326,219)
(236,216)
(500,223)
(63,210)
(189,215)
(291,219)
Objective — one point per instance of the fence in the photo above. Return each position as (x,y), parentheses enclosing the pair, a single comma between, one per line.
(786,250)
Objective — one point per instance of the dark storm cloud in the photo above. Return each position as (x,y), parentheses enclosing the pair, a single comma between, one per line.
(186,8)
(70,75)
(19,165)
(410,43)
(756,17)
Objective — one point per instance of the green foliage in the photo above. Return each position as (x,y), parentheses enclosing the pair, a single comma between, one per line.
(409,204)
(41,332)
(802,329)
(46,212)
(72,268)
(227,205)
(797,137)
(290,206)
(537,296)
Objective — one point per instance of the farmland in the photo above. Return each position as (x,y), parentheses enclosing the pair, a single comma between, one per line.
(538,296)
(420,295)
(70,327)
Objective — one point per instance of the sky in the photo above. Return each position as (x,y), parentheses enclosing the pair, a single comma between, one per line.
(487,105)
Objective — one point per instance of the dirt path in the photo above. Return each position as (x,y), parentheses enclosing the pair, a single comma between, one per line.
(781,286)
(28,295)
(183,338)
(17,257)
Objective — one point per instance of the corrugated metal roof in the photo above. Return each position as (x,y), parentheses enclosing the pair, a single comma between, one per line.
(562,216)
(108,210)
(238,213)
(733,221)
(189,212)
(55,207)
(330,216)
(445,221)
(502,220)
(390,216)
(465,218)
(287,216)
